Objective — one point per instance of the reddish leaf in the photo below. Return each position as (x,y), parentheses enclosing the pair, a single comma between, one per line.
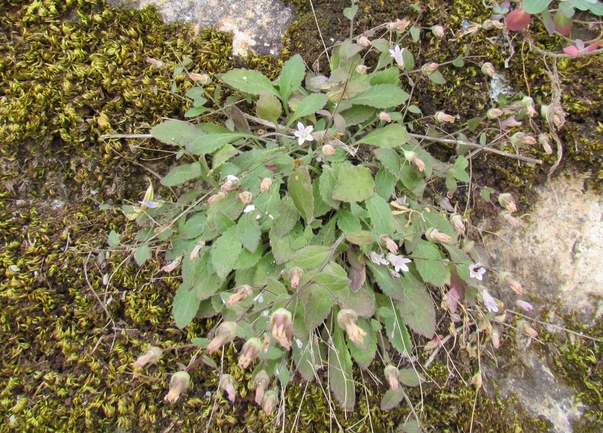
(563,24)
(518,20)
(571,51)
(593,47)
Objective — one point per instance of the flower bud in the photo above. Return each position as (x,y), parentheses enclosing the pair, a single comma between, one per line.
(545,142)
(523,325)
(526,306)
(414,159)
(348,321)
(232,183)
(488,69)
(429,68)
(492,25)
(389,243)
(553,113)
(510,281)
(261,382)
(438,31)
(216,197)
(434,235)
(363,41)
(521,139)
(241,293)
(442,117)
(457,222)
(228,384)
(361,69)
(250,350)
(385,117)
(195,252)
(246,197)
(295,275)
(495,338)
(328,150)
(529,104)
(281,326)
(225,333)
(510,219)
(392,374)
(266,184)
(178,384)
(398,25)
(269,402)
(494,113)
(151,356)
(200,78)
(506,201)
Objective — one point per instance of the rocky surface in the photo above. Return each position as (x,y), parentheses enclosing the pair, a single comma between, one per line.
(256,25)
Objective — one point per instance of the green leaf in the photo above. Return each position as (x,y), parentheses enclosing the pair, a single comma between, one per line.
(415,33)
(392,398)
(326,183)
(306,355)
(385,183)
(211,142)
(288,216)
(596,8)
(333,277)
(350,12)
(473,123)
(249,81)
(535,6)
(437,77)
(347,222)
(341,381)
(389,285)
(386,76)
(230,205)
(176,132)
(393,135)
(223,222)
(181,174)
(354,184)
(390,160)
(269,107)
(291,76)
(381,96)
(113,239)
(311,257)
(429,262)
(248,232)
(397,334)
(309,105)
(247,259)
(364,353)
(142,254)
(408,60)
(418,311)
(223,155)
(225,252)
(195,111)
(458,169)
(185,306)
(380,214)
(410,377)
(300,188)
(318,303)
(362,237)
(458,62)
(282,246)
(320,207)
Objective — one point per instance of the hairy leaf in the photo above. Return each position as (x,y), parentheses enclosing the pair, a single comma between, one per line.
(300,188)
(185,306)
(393,135)
(418,311)
(381,96)
(181,174)
(354,184)
(392,398)
(341,381)
(176,132)
(249,81)
(225,252)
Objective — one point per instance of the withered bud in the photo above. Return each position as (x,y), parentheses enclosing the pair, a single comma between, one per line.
(529,104)
(228,384)
(240,294)
(434,235)
(457,222)
(545,142)
(492,25)
(261,382)
(398,25)
(494,113)
(269,402)
(495,338)
(506,201)
(442,117)
(328,150)
(246,197)
(250,350)
(522,139)
(413,157)
(348,321)
(509,280)
(488,69)
(392,374)
(385,117)
(510,219)
(266,184)
(438,31)
(199,78)
(468,246)
(363,41)
(151,356)
(429,68)
(553,114)
(216,197)
(232,183)
(295,275)
(525,326)
(389,243)
(179,383)
(225,333)
(361,69)
(155,62)
(281,325)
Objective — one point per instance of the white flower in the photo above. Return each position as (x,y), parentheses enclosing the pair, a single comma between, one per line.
(489,301)
(476,271)
(396,53)
(399,262)
(525,305)
(249,208)
(303,133)
(378,259)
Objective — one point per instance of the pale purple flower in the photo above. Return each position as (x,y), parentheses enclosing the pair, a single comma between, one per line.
(477,271)
(399,262)
(489,301)
(525,305)
(378,259)
(150,204)
(396,53)
(303,133)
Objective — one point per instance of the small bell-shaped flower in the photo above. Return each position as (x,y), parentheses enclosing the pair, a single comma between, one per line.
(151,356)
(231,183)
(348,320)
(216,197)
(178,384)
(228,385)
(434,235)
(442,117)
(506,201)
(510,281)
(389,243)
(413,157)
(266,184)
(392,374)
(488,69)
(261,382)
(246,197)
(438,31)
(457,222)
(295,275)
(281,325)
(241,293)
(225,333)
(250,350)
(269,402)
